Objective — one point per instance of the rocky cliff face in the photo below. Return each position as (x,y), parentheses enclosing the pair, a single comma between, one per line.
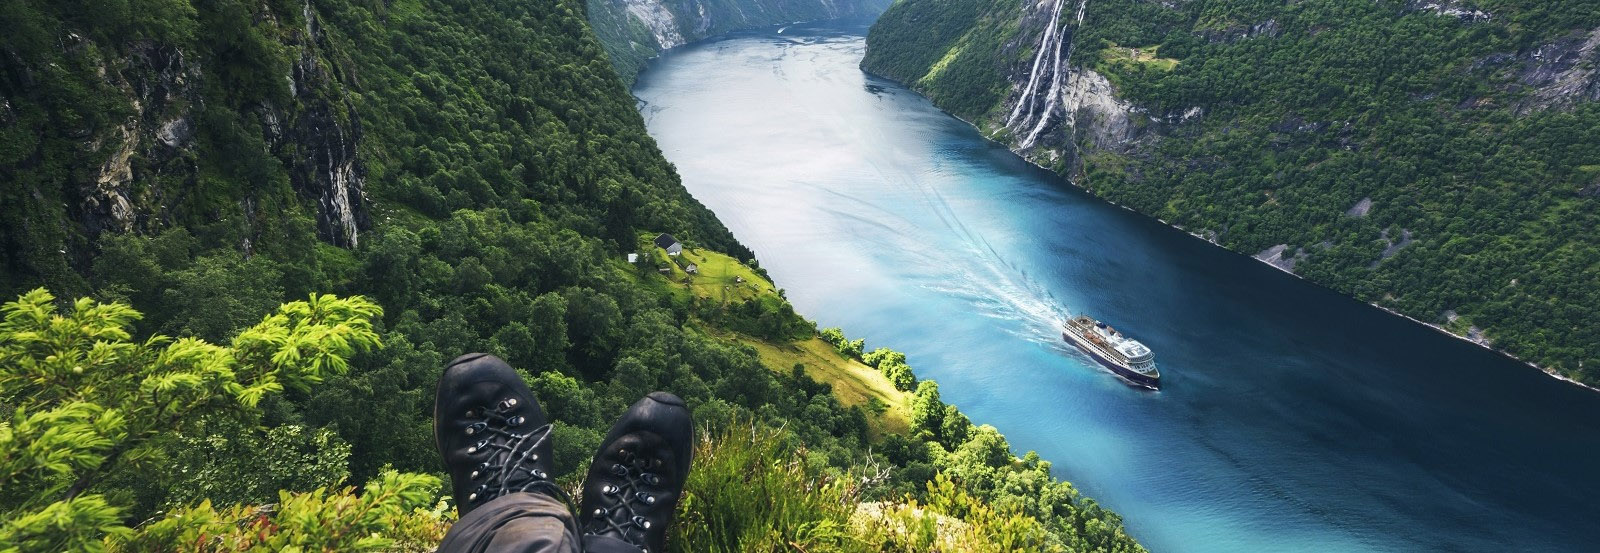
(1058,105)
(168,141)
(633,31)
(161,88)
(1058,109)
(320,145)
(1561,73)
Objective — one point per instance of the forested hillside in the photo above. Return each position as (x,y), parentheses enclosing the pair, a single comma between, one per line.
(634,31)
(457,176)
(1437,158)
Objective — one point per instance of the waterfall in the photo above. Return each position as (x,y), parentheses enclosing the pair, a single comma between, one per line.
(1058,43)
(1045,43)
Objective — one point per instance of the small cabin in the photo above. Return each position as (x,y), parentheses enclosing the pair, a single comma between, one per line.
(667,242)
(692,269)
(633,258)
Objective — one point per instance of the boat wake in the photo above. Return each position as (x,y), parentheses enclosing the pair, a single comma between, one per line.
(979,273)
(967,266)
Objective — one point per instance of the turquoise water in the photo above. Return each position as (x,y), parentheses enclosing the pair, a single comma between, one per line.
(1290,419)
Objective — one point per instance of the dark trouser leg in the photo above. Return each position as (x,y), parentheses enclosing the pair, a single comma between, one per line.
(515,523)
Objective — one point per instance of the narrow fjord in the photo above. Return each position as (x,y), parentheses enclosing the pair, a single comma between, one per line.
(1291,418)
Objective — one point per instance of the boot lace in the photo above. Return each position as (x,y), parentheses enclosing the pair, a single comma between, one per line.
(509,467)
(626,501)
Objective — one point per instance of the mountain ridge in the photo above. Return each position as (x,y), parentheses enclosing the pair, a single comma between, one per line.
(633,31)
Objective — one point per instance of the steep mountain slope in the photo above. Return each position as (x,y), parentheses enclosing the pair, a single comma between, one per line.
(633,31)
(1440,159)
(476,169)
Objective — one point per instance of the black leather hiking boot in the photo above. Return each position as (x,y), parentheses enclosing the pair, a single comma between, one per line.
(491,432)
(636,478)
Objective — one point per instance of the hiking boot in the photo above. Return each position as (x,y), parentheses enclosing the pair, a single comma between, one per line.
(491,432)
(636,478)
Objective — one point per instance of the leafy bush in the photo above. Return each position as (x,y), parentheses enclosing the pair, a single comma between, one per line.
(395,512)
(90,407)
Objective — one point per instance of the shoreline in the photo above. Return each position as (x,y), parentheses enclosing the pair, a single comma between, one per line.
(1437,328)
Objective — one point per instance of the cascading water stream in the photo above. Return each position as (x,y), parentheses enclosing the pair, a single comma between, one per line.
(1045,43)
(1056,38)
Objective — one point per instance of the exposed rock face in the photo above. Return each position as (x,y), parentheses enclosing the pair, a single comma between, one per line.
(1093,110)
(163,90)
(1393,246)
(1056,104)
(1562,73)
(1459,9)
(655,16)
(1275,257)
(1268,29)
(1361,209)
(152,156)
(321,148)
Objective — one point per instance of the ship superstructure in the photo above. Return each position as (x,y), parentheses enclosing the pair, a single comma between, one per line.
(1125,356)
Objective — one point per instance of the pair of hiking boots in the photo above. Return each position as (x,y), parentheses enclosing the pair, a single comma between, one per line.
(495,440)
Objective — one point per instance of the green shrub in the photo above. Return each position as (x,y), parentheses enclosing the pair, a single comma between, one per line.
(90,409)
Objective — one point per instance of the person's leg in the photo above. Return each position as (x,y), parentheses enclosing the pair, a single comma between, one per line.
(495,441)
(515,523)
(636,478)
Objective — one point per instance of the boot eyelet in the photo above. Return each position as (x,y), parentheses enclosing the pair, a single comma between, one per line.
(646,498)
(476,428)
(517,420)
(650,478)
(641,522)
(508,403)
(619,470)
(609,489)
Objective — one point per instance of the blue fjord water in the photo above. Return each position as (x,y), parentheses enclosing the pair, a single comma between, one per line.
(1291,418)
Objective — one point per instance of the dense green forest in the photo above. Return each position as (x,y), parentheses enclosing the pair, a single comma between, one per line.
(1441,159)
(632,31)
(320,203)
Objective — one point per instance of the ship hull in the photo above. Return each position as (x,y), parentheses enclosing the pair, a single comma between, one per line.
(1127,374)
